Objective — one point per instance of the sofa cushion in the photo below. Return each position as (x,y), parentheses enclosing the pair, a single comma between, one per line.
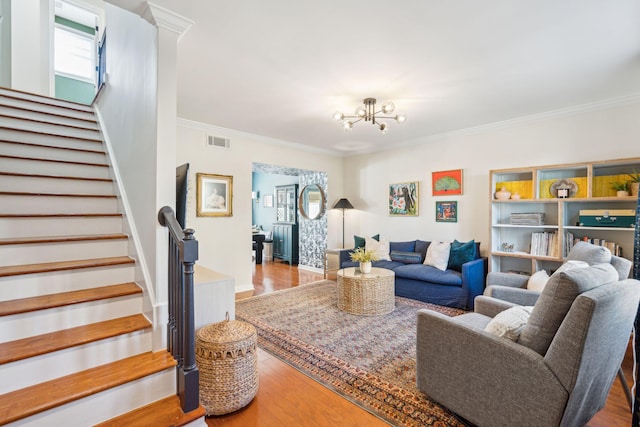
(556,299)
(461,253)
(358,242)
(403,246)
(589,253)
(381,248)
(510,322)
(427,273)
(538,281)
(389,265)
(406,257)
(438,255)
(421,247)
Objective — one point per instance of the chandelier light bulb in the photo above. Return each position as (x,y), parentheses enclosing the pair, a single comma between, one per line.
(388,108)
(383,127)
(361,112)
(401,118)
(337,116)
(347,124)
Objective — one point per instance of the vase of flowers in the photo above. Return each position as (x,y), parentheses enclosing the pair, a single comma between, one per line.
(634,182)
(365,258)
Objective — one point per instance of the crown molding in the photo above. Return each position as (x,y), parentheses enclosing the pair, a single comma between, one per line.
(166,19)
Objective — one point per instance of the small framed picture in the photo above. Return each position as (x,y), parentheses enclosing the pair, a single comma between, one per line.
(215,195)
(403,199)
(447,211)
(447,183)
(267,200)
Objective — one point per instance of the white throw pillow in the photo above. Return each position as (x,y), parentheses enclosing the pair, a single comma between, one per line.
(509,323)
(538,281)
(570,265)
(379,247)
(438,255)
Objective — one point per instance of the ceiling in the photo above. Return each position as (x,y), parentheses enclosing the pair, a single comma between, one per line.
(281,68)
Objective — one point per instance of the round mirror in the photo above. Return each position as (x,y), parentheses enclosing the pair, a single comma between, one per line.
(311,202)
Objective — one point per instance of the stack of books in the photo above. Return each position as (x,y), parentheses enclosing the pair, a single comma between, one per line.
(571,240)
(544,244)
(527,218)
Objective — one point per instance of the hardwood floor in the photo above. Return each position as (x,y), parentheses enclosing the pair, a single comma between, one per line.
(287,397)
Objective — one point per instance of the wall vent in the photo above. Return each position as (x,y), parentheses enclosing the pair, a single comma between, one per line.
(216,141)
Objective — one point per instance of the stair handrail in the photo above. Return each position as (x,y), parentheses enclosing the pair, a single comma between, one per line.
(183,253)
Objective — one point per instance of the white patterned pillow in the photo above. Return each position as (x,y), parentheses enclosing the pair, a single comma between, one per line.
(379,247)
(438,255)
(509,323)
(538,281)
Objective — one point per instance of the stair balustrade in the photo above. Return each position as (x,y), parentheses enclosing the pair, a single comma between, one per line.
(183,253)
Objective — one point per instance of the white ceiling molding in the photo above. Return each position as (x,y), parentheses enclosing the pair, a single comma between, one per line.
(164,18)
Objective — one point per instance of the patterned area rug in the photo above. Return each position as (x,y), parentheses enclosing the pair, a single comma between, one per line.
(369,360)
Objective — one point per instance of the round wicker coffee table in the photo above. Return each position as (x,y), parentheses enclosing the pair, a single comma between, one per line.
(366,294)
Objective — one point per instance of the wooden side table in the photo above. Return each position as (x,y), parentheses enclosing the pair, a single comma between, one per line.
(366,294)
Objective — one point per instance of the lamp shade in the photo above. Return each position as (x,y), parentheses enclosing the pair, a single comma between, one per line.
(343,204)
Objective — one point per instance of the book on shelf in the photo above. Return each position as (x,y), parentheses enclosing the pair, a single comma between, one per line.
(527,218)
(544,243)
(570,240)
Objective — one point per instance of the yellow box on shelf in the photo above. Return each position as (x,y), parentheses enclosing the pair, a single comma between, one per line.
(523,188)
(545,188)
(603,185)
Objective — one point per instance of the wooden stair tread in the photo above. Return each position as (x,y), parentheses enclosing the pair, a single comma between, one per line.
(56,135)
(48,113)
(66,162)
(25,193)
(43,302)
(46,100)
(44,122)
(14,270)
(61,239)
(59,340)
(44,396)
(35,175)
(82,150)
(164,412)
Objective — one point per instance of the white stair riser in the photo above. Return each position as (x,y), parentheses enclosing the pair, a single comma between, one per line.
(47,128)
(40,322)
(107,404)
(11,204)
(46,117)
(34,370)
(31,285)
(52,153)
(53,168)
(66,226)
(36,253)
(45,100)
(44,139)
(55,185)
(44,108)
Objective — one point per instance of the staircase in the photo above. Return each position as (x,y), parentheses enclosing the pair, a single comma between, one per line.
(75,347)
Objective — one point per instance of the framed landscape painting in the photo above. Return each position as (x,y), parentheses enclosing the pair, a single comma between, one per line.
(447,183)
(447,211)
(214,194)
(403,199)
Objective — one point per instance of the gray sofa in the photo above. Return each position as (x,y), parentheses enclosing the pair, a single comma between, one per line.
(558,372)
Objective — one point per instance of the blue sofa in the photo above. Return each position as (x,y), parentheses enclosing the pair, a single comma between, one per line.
(426,283)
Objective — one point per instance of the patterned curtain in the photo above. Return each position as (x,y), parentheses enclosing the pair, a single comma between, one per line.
(636,275)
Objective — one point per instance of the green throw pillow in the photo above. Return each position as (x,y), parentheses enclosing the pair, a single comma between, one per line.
(461,253)
(358,242)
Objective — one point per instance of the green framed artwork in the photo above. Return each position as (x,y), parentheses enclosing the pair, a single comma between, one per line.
(403,199)
(447,211)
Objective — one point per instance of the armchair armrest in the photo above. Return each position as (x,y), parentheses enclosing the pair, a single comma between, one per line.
(511,280)
(490,307)
(473,279)
(514,295)
(344,256)
(486,379)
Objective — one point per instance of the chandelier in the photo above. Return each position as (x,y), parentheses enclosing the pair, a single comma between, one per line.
(367,112)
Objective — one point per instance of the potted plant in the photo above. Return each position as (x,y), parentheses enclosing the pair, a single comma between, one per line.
(364,257)
(634,182)
(621,188)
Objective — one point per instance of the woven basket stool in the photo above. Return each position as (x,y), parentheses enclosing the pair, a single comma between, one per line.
(226,355)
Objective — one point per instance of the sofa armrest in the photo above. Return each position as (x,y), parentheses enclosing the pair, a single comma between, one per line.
(515,295)
(490,307)
(486,379)
(511,280)
(344,256)
(473,279)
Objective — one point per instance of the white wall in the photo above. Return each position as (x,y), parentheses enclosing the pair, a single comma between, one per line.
(32,46)
(603,134)
(225,242)
(128,108)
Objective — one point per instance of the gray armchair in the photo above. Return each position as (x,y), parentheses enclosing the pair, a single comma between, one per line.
(560,370)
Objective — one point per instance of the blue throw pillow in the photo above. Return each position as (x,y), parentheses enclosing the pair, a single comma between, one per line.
(406,257)
(358,242)
(421,248)
(403,246)
(461,253)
